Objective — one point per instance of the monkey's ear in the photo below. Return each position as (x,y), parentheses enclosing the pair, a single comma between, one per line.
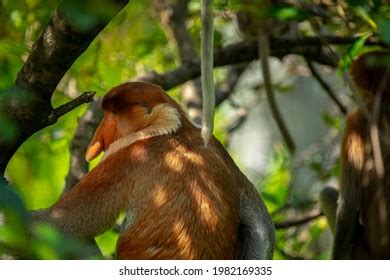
(104,136)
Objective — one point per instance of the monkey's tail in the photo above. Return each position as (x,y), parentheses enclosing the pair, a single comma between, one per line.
(207,64)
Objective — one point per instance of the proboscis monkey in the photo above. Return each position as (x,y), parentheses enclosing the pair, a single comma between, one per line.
(362,229)
(182,199)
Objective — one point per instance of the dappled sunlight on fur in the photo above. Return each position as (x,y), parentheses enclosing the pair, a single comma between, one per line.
(182,200)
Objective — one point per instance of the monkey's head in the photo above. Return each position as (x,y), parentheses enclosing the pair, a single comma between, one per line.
(371,74)
(132,107)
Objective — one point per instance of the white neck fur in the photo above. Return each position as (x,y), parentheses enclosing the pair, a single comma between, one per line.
(164,120)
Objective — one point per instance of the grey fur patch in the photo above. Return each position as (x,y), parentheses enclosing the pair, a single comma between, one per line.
(256,231)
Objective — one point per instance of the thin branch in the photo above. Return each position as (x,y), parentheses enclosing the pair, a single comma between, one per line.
(299,221)
(86,97)
(326,87)
(280,210)
(263,52)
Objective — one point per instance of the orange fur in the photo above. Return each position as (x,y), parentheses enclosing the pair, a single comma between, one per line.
(361,230)
(182,199)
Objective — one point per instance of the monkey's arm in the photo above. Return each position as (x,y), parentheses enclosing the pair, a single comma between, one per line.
(256,234)
(352,165)
(91,207)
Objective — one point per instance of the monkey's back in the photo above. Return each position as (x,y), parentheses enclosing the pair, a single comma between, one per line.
(187,204)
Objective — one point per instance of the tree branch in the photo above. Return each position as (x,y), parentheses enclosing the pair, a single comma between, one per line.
(27,104)
(56,113)
(326,87)
(309,47)
(299,221)
(173,15)
(263,51)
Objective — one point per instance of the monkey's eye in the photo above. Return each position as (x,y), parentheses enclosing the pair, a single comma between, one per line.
(145,105)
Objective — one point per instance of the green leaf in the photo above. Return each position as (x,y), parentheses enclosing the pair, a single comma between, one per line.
(332,121)
(107,243)
(354,49)
(364,14)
